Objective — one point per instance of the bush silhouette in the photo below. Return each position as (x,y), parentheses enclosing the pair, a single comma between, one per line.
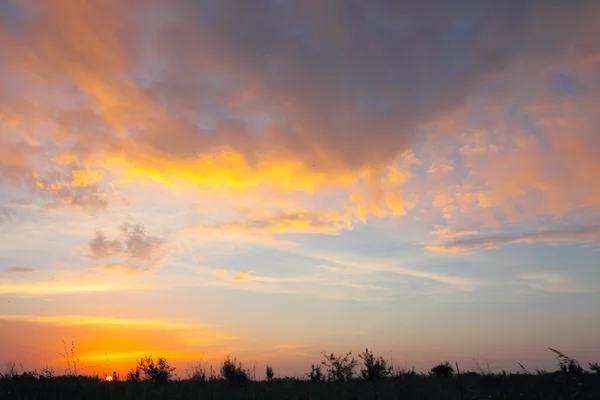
(339,368)
(595,367)
(159,372)
(403,372)
(197,373)
(442,370)
(269,373)
(233,373)
(315,374)
(373,367)
(133,375)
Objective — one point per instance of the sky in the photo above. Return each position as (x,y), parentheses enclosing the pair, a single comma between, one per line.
(272,179)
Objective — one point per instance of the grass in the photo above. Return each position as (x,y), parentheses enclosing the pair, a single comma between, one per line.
(376,382)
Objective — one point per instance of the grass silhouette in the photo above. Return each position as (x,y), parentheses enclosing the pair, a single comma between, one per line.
(337,377)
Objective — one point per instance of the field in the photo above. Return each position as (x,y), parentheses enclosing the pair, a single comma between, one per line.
(542,387)
(336,377)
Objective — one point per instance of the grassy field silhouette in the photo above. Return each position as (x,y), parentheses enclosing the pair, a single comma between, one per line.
(336,377)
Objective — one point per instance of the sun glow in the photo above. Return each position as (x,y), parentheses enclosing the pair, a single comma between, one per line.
(109,378)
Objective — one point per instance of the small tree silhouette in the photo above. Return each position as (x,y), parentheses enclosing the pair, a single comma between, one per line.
(233,372)
(373,367)
(269,373)
(339,368)
(442,370)
(315,374)
(159,372)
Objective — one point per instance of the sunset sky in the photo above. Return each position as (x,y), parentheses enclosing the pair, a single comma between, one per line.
(270,179)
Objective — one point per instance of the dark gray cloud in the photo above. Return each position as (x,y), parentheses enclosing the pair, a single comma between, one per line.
(344,82)
(337,85)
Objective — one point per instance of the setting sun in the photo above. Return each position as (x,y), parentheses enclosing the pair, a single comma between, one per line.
(109,378)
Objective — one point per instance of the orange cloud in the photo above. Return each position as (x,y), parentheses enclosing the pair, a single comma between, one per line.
(447,232)
(111,343)
(66,286)
(242,276)
(281,222)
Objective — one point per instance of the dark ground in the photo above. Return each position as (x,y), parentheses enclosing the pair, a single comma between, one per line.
(545,387)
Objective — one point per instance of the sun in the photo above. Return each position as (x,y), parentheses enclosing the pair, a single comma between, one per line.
(109,378)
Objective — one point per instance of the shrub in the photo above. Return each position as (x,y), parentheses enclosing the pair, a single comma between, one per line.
(315,374)
(269,373)
(595,367)
(133,375)
(567,364)
(339,368)
(403,373)
(196,372)
(373,367)
(442,370)
(233,373)
(159,372)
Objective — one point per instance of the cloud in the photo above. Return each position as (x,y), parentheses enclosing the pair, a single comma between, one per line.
(242,276)
(214,94)
(555,282)
(66,286)
(509,170)
(448,232)
(137,337)
(6,215)
(458,282)
(71,320)
(100,248)
(285,222)
(581,235)
(139,251)
(291,350)
(123,267)
(20,269)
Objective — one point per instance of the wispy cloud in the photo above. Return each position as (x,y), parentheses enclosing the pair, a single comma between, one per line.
(326,222)
(291,350)
(6,215)
(69,320)
(582,235)
(68,286)
(445,232)
(556,282)
(458,282)
(242,276)
(20,269)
